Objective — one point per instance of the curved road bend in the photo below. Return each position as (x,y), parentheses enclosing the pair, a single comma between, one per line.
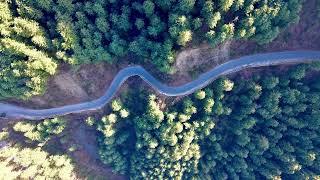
(258,60)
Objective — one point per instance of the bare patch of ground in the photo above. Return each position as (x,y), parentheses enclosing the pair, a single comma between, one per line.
(190,62)
(191,58)
(67,84)
(69,92)
(86,154)
(94,78)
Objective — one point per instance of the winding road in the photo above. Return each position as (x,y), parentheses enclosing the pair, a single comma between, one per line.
(258,60)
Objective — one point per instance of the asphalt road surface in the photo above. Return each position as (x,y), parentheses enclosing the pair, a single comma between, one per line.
(258,60)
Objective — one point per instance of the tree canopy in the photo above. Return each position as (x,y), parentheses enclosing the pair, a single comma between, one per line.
(41,131)
(28,163)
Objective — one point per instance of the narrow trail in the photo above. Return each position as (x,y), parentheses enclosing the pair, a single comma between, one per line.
(258,60)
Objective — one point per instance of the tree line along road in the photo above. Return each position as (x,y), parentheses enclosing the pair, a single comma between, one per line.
(257,60)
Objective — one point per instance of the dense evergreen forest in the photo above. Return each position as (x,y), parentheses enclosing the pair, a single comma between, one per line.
(37,35)
(263,127)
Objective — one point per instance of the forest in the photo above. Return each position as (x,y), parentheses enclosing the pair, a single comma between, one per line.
(263,127)
(255,124)
(36,36)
